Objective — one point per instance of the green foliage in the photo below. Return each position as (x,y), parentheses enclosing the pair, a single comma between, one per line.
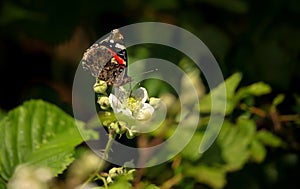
(234,141)
(231,84)
(189,151)
(238,143)
(277,100)
(212,176)
(268,139)
(233,97)
(258,151)
(38,134)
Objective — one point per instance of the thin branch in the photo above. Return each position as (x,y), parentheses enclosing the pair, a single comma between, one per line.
(111,138)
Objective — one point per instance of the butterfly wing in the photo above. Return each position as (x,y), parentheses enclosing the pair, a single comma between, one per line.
(107,59)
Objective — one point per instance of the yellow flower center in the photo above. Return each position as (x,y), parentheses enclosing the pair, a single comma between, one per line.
(132,104)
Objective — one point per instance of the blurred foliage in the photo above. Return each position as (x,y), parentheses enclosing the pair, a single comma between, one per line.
(42,42)
(34,139)
(238,143)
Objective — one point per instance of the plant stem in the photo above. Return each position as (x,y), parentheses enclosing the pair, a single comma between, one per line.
(111,138)
(103,180)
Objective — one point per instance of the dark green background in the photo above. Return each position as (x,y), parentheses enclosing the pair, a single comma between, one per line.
(259,38)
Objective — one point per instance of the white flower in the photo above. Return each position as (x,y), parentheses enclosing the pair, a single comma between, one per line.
(27,177)
(133,106)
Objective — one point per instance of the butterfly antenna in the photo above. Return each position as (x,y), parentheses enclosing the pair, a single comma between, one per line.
(146,72)
(150,71)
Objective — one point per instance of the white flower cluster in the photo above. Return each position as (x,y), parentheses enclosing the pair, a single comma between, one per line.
(133,106)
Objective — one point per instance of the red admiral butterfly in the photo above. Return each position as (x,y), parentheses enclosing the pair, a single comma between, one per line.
(107,60)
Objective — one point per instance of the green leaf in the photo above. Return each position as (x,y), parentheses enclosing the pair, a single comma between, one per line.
(191,150)
(258,151)
(40,134)
(277,100)
(231,84)
(269,139)
(121,183)
(232,97)
(256,89)
(2,184)
(215,177)
(234,141)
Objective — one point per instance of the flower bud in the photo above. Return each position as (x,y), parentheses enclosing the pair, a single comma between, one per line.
(122,126)
(103,101)
(100,87)
(154,102)
(130,134)
(113,126)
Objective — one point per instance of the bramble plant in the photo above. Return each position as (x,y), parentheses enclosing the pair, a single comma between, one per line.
(119,114)
(39,142)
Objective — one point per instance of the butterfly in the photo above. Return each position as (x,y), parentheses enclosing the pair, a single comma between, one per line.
(107,60)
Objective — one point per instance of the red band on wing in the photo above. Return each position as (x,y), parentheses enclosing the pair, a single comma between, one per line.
(119,59)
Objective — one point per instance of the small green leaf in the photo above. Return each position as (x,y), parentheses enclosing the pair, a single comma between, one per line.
(40,134)
(231,84)
(215,177)
(256,89)
(258,151)
(234,141)
(121,183)
(191,150)
(278,100)
(269,139)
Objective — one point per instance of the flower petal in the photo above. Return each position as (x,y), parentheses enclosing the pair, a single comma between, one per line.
(140,94)
(124,111)
(114,102)
(117,106)
(145,112)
